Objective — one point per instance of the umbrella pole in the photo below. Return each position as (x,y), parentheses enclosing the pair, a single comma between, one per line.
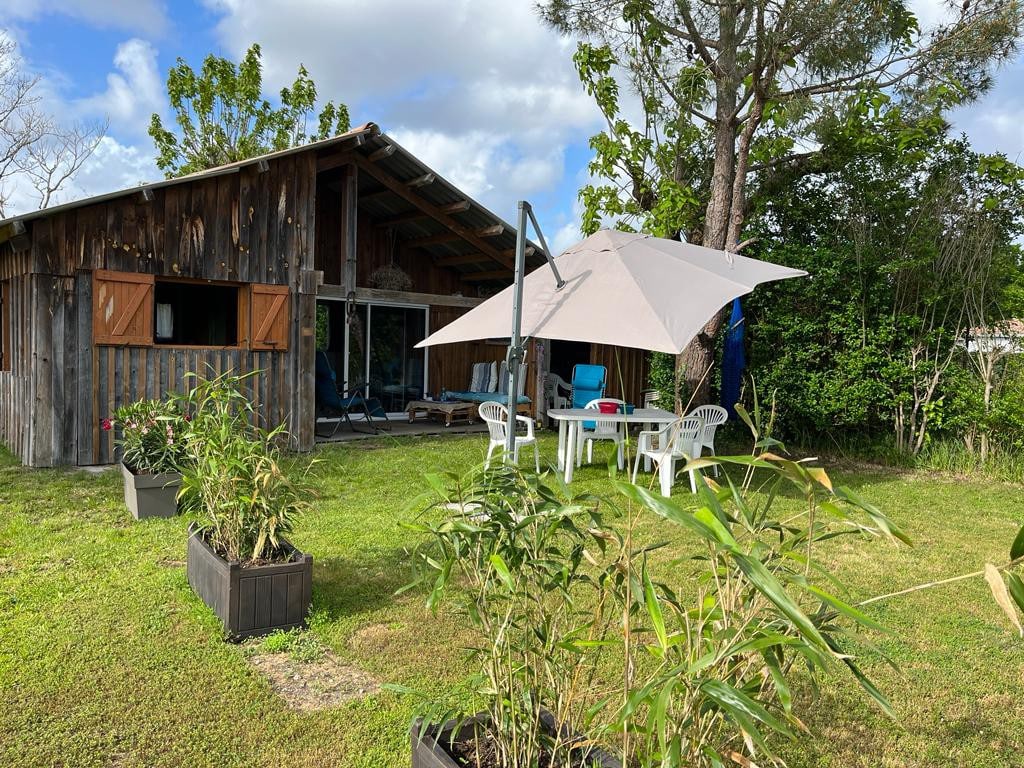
(516,351)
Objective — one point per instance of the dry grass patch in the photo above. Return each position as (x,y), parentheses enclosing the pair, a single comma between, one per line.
(308,686)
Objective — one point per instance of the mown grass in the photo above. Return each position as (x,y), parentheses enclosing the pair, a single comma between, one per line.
(107,658)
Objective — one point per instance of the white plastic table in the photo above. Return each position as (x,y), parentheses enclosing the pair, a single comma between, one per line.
(569,420)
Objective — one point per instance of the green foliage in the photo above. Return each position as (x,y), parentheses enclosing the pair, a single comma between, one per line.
(552,590)
(323,329)
(519,551)
(221,115)
(65,595)
(152,436)
(232,480)
(300,645)
(759,82)
(904,246)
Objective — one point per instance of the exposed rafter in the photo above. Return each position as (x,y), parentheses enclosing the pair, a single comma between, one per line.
(421,181)
(493,274)
(477,258)
(380,154)
(401,218)
(433,211)
(440,237)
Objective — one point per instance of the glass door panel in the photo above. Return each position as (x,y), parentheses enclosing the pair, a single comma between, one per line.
(396,368)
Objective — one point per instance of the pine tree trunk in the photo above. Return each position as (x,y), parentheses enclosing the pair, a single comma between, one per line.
(696,360)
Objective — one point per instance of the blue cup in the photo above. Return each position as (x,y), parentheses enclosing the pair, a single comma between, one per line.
(629,408)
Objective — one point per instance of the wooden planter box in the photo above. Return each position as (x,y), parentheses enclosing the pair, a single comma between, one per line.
(254,600)
(151,495)
(429,744)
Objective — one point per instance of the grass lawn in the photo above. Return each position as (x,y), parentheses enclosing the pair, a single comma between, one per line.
(108,659)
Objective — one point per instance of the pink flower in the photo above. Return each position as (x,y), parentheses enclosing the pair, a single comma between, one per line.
(106,425)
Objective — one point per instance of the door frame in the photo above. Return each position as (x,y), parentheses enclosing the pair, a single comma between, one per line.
(369,329)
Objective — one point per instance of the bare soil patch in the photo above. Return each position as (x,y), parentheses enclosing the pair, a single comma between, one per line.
(314,685)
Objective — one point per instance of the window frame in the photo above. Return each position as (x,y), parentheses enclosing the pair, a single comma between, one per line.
(242,340)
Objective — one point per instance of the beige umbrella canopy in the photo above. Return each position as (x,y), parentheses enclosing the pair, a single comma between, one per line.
(623,289)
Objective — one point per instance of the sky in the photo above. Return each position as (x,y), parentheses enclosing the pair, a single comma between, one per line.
(479,90)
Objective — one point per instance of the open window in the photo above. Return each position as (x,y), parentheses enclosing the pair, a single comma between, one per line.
(197,314)
(5,326)
(130,309)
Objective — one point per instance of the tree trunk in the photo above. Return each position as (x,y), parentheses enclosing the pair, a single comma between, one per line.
(698,357)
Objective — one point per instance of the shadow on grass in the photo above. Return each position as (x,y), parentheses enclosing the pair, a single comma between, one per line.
(345,587)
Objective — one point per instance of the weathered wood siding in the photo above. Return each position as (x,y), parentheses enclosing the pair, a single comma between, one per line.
(450,364)
(244,226)
(627,371)
(16,383)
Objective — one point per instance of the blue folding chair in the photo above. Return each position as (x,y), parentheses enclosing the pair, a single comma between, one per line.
(588,383)
(332,404)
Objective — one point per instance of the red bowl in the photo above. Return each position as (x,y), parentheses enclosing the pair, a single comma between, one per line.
(608,407)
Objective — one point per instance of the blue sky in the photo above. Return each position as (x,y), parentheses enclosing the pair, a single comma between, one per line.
(477,88)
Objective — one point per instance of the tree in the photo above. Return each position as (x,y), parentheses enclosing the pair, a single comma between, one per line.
(35,150)
(909,245)
(222,116)
(731,91)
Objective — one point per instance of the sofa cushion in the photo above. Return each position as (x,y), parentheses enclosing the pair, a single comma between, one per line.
(480,379)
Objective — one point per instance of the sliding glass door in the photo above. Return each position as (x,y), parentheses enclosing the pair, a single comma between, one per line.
(374,347)
(397,371)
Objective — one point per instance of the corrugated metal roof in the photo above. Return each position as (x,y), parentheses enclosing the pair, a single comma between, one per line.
(353,136)
(401,165)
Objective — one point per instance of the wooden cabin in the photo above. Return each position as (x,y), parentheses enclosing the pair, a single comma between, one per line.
(350,243)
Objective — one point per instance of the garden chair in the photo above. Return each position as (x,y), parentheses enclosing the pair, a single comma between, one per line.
(334,405)
(495,415)
(675,441)
(556,391)
(588,383)
(713,417)
(603,430)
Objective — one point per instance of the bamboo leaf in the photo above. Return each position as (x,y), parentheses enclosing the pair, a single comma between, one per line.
(654,610)
(1016,586)
(770,587)
(667,508)
(1017,549)
(735,700)
(857,615)
(502,570)
(1002,596)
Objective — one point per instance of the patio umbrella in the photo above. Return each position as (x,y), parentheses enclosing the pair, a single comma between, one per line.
(617,288)
(622,289)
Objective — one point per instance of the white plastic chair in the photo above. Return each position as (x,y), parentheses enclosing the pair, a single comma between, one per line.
(713,416)
(496,417)
(603,430)
(677,440)
(554,386)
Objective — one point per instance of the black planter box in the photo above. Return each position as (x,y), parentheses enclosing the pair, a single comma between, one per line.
(149,495)
(254,600)
(429,744)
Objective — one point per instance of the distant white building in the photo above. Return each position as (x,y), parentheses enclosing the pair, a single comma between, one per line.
(1008,336)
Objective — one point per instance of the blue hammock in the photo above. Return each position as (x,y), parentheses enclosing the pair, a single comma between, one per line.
(734,360)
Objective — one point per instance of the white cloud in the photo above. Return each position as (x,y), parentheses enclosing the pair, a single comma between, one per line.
(133,92)
(113,166)
(480,90)
(148,16)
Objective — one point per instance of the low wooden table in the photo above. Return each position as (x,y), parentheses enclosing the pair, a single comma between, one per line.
(450,411)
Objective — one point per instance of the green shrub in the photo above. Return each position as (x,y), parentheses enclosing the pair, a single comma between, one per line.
(232,480)
(152,435)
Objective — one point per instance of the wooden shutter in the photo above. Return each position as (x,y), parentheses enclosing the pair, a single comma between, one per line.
(270,310)
(122,308)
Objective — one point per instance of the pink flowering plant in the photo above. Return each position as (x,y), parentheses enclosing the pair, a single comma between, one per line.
(152,435)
